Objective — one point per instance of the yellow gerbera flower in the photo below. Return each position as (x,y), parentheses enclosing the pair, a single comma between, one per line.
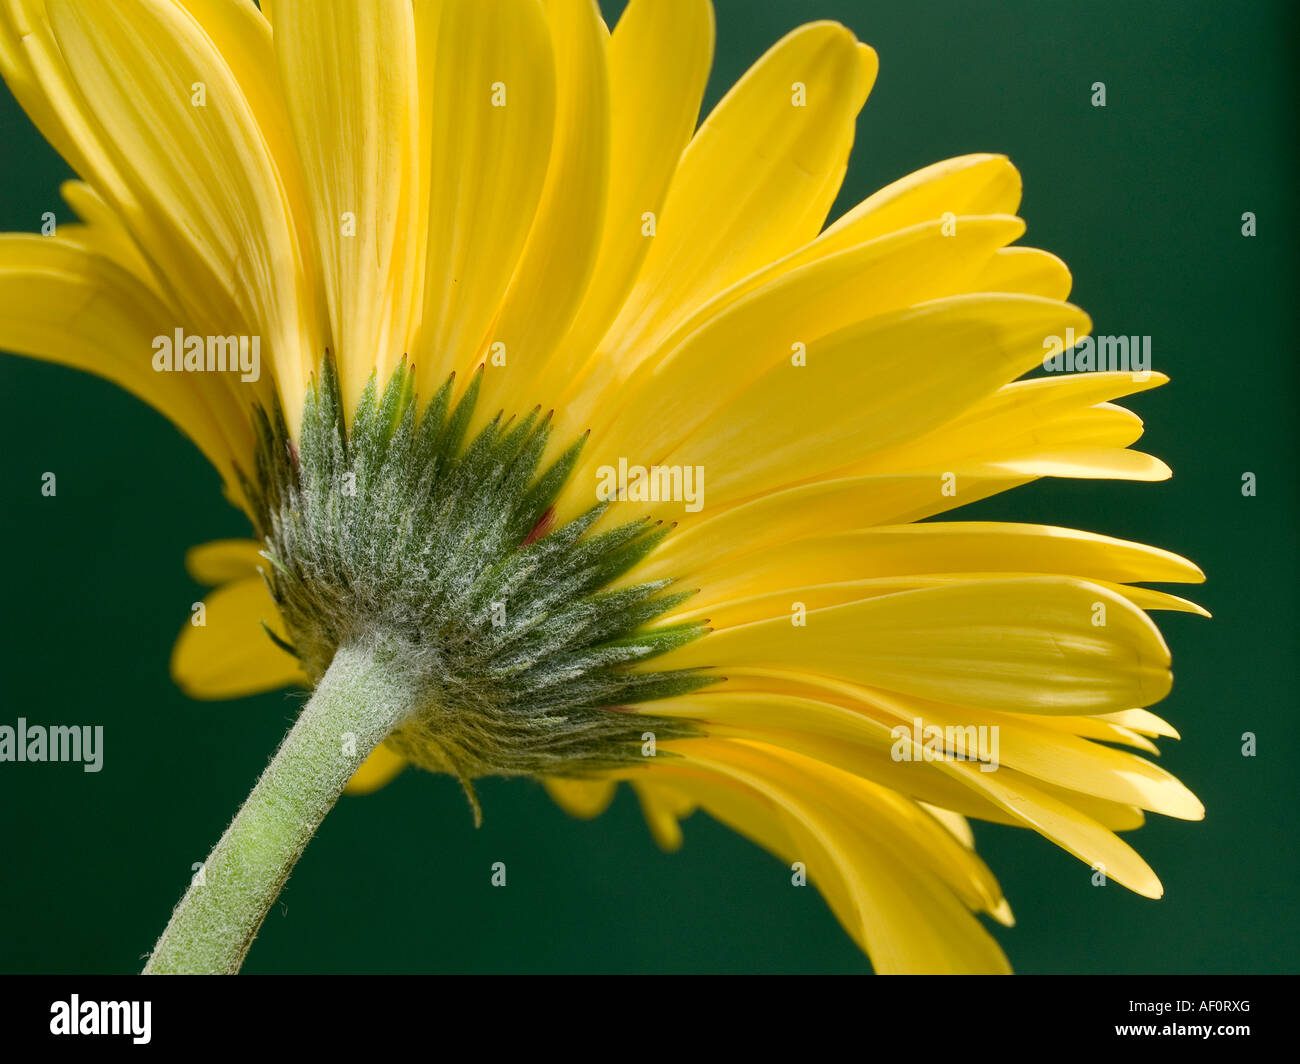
(354,249)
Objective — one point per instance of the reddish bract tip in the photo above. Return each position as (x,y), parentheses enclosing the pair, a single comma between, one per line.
(541,528)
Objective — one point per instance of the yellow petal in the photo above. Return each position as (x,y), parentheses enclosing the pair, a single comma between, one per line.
(948,192)
(230,655)
(207,198)
(831,728)
(903,550)
(965,187)
(224,560)
(487,93)
(583,799)
(673,392)
(349,75)
(1027,270)
(61,303)
(1142,720)
(243,38)
(791,425)
(659,59)
(662,808)
(376,771)
(1069,829)
(1084,463)
(772,423)
(950,466)
(1018,417)
(1030,745)
(35,72)
(559,258)
(852,727)
(754,184)
(968,184)
(104,234)
(957,824)
(1025,645)
(906,918)
(750,599)
(1147,599)
(895,821)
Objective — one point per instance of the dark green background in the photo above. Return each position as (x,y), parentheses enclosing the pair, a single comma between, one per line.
(1143,198)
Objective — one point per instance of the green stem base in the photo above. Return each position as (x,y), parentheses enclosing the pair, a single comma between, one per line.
(362,697)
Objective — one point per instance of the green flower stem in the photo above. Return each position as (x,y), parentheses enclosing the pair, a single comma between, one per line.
(363,696)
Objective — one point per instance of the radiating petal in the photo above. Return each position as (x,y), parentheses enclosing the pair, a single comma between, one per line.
(659,58)
(673,392)
(487,96)
(206,195)
(915,549)
(1022,645)
(224,560)
(560,256)
(584,799)
(62,303)
(896,907)
(913,369)
(378,770)
(230,655)
(754,184)
(348,69)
